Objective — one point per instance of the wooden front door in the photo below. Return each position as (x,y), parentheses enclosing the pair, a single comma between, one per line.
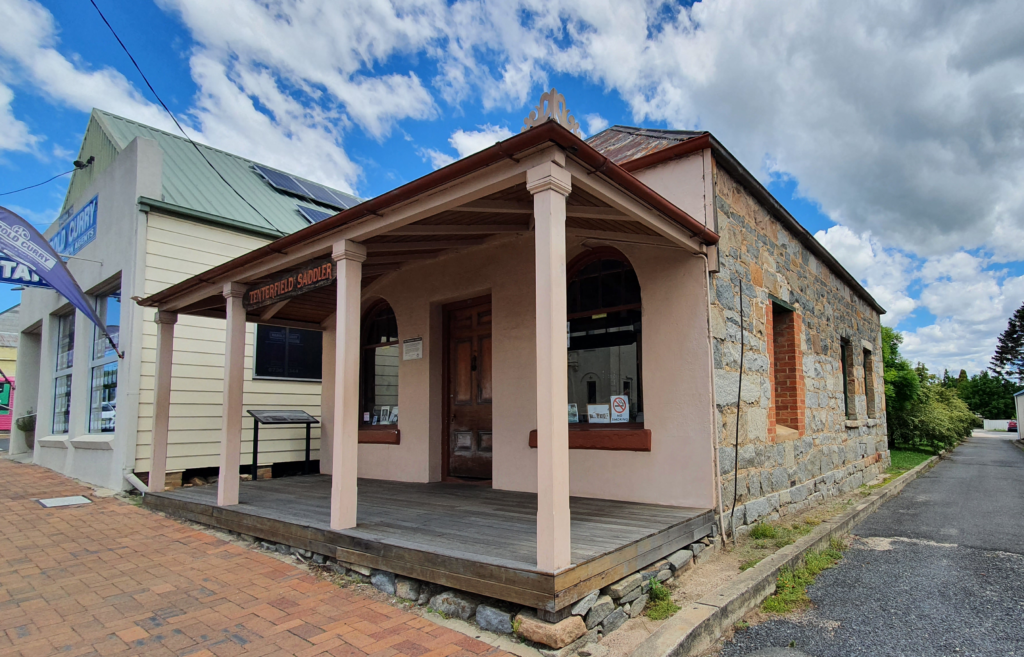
(468,395)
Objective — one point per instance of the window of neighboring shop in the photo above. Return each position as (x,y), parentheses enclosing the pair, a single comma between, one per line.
(605,353)
(103,366)
(288,353)
(378,367)
(62,377)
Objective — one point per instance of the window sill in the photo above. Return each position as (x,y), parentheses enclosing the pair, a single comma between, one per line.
(94,441)
(625,437)
(865,422)
(54,442)
(379,435)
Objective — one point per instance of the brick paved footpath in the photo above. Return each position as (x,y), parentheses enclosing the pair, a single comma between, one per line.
(109,578)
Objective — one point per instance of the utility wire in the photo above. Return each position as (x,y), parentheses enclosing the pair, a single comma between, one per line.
(15,191)
(171,114)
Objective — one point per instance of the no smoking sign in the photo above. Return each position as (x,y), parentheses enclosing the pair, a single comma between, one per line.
(620,408)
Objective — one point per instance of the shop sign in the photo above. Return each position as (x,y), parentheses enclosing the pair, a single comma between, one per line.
(76,232)
(290,285)
(15,273)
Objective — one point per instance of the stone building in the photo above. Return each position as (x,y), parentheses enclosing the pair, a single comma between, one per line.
(594,343)
(812,413)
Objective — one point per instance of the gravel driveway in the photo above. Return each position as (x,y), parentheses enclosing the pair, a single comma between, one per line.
(939,570)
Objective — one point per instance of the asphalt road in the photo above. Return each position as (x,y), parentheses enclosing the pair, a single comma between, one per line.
(939,570)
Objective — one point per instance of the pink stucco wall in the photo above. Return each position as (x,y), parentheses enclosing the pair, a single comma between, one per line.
(677,375)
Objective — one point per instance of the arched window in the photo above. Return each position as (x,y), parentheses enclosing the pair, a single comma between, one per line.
(604,339)
(378,367)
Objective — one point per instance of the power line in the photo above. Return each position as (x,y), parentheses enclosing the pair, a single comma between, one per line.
(15,191)
(171,114)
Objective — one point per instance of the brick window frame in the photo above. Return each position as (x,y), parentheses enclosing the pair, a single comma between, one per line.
(788,408)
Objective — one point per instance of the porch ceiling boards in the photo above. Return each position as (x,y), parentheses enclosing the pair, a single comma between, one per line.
(467,537)
(503,213)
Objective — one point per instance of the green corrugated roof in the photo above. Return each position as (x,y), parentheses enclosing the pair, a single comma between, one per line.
(189,183)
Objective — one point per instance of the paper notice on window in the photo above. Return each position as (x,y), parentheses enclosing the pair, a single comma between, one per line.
(620,408)
(598,413)
(574,414)
(412,349)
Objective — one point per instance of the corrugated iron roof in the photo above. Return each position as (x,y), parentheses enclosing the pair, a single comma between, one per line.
(621,143)
(189,183)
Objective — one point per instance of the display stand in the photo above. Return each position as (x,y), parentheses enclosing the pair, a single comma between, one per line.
(279,417)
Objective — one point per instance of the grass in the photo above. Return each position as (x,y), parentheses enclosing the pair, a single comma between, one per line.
(907,459)
(659,604)
(780,535)
(750,563)
(791,586)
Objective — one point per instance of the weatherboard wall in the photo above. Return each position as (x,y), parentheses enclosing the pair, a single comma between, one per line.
(175,250)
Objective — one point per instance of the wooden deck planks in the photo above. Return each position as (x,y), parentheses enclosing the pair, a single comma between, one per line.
(475,538)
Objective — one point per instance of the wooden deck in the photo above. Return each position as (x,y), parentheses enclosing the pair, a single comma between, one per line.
(468,537)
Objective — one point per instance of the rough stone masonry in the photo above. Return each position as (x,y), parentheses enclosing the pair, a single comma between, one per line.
(803,435)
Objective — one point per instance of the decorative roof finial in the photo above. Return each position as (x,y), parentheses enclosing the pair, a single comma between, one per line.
(552,108)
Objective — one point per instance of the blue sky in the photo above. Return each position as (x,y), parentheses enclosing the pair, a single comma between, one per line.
(909,175)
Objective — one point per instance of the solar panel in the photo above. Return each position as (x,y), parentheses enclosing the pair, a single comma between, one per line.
(305,189)
(313,216)
(282,181)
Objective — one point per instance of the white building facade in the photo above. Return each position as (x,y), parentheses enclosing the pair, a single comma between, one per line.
(146,214)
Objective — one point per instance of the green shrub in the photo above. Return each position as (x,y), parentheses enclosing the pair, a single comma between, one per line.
(659,603)
(763,530)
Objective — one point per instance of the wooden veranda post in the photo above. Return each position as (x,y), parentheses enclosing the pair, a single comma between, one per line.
(327,395)
(348,258)
(162,399)
(234,372)
(550,184)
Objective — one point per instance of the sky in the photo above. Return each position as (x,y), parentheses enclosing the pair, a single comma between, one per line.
(894,131)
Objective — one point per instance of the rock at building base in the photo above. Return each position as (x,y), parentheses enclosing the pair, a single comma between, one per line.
(407,589)
(493,620)
(455,604)
(319,559)
(680,560)
(614,621)
(638,606)
(383,581)
(556,635)
(602,607)
(583,606)
(593,650)
(337,568)
(427,591)
(623,586)
(362,570)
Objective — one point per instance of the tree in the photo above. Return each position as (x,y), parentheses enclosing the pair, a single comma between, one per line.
(902,385)
(1008,361)
(989,396)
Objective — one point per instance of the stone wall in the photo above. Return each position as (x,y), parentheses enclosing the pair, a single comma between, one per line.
(784,469)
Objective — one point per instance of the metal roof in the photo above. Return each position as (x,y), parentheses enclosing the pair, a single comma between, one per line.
(635,149)
(622,143)
(189,183)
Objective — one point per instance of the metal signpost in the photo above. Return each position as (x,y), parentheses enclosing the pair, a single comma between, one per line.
(279,417)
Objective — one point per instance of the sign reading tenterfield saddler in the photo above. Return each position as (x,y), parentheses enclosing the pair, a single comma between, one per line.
(286,286)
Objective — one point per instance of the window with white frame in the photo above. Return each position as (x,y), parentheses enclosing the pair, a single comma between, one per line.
(103,366)
(62,377)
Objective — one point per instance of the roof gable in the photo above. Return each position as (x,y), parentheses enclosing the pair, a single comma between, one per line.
(187,180)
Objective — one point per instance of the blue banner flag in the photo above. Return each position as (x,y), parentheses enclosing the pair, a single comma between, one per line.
(23,243)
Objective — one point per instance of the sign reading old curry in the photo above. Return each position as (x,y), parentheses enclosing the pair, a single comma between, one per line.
(287,286)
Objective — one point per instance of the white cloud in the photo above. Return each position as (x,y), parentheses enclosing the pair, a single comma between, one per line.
(467,142)
(595,123)
(885,273)
(29,43)
(14,134)
(436,158)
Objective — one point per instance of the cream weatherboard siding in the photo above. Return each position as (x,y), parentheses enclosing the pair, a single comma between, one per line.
(176,250)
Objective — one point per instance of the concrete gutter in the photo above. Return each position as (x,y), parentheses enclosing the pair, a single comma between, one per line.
(697,626)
